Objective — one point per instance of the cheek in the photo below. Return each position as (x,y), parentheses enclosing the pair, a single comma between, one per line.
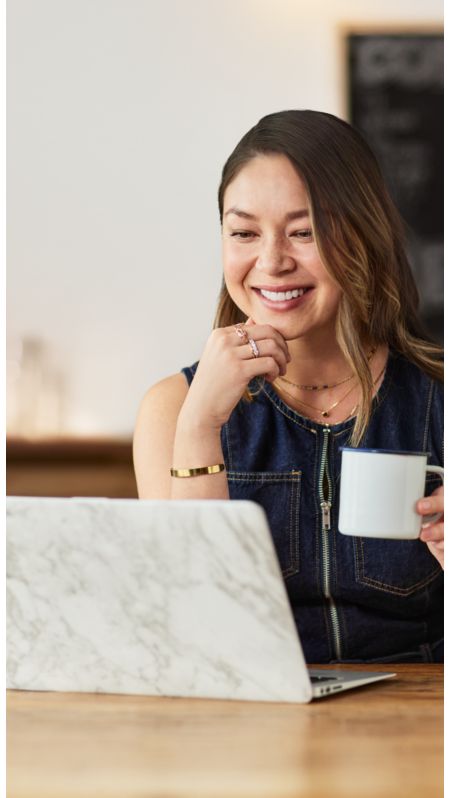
(235,267)
(233,283)
(234,275)
(332,289)
(334,294)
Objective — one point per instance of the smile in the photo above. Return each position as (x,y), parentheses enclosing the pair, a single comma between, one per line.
(282,301)
(281,296)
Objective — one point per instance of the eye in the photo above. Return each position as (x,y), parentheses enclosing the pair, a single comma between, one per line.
(242,234)
(304,235)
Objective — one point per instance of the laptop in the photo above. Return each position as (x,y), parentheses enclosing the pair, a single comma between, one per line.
(169,598)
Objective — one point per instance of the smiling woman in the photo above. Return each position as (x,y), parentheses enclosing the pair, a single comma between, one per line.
(264,245)
(317,345)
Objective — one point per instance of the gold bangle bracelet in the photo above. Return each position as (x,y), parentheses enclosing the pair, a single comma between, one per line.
(196,472)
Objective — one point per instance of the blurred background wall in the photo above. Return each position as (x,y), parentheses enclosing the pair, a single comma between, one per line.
(121,114)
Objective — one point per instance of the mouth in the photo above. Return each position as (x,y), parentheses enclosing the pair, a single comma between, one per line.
(286,299)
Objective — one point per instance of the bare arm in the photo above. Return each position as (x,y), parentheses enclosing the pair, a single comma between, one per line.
(180,427)
(165,437)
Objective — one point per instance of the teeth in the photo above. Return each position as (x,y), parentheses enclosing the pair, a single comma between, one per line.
(281,296)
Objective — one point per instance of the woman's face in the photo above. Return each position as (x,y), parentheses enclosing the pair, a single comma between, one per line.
(272,268)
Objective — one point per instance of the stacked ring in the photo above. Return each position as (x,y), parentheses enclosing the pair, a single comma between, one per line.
(241,332)
(254,347)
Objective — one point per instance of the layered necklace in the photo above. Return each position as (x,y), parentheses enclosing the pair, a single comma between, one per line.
(325,413)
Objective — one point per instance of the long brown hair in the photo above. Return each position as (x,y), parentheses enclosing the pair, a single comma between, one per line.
(360,238)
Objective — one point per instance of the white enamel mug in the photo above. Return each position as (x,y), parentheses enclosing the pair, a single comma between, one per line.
(379,491)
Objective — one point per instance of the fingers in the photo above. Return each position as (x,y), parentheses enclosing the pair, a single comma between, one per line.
(432,504)
(267,348)
(427,506)
(266,367)
(433,532)
(272,348)
(261,332)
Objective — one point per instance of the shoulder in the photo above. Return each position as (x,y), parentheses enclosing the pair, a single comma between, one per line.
(420,399)
(411,392)
(161,405)
(154,435)
(172,390)
(407,374)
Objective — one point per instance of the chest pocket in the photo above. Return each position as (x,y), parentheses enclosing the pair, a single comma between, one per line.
(279,494)
(399,567)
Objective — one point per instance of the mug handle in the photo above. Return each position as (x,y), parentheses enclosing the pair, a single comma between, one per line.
(432,519)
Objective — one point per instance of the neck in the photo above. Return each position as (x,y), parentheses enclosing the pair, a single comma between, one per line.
(316,362)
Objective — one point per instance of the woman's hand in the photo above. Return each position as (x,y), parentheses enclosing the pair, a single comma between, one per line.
(433,534)
(226,367)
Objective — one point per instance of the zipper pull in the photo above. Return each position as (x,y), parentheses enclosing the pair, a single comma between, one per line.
(326,515)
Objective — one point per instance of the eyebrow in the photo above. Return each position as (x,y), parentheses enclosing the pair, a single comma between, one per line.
(299,214)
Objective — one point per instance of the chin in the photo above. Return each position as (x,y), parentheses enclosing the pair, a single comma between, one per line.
(288,329)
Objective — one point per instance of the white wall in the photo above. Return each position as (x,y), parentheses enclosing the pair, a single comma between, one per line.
(120,116)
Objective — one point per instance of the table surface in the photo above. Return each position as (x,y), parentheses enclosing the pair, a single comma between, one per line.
(383,740)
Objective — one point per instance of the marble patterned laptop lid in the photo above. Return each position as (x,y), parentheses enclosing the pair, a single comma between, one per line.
(179,598)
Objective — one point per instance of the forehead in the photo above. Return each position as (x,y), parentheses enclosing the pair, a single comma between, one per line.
(268,181)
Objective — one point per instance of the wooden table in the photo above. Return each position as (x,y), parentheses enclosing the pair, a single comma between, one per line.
(70,467)
(382,740)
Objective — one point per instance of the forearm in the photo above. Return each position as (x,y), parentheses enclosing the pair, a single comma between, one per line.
(194,447)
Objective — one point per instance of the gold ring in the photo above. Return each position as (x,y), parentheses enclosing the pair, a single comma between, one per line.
(241,332)
(254,347)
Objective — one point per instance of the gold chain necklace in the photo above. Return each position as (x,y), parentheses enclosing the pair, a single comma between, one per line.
(323,413)
(326,413)
(325,386)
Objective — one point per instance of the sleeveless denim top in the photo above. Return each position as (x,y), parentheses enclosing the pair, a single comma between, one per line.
(353,599)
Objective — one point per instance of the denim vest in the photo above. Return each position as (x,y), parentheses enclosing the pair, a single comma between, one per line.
(353,599)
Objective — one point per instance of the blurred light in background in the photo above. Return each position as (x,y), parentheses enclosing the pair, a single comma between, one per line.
(35,389)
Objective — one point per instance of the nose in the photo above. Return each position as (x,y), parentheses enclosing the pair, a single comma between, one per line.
(273,257)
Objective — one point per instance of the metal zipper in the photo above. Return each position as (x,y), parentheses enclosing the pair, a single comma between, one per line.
(326,505)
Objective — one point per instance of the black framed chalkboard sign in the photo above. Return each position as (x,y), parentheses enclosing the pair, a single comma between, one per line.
(394,97)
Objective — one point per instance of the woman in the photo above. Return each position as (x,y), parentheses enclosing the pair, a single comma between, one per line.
(317,345)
